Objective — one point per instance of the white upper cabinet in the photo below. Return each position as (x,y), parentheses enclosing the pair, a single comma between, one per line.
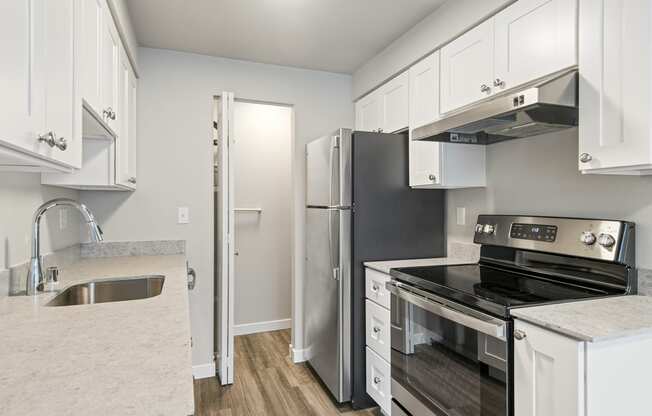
(386,108)
(467,67)
(394,96)
(534,38)
(124,145)
(424,91)
(615,87)
(110,72)
(37,127)
(548,373)
(528,40)
(369,112)
(91,30)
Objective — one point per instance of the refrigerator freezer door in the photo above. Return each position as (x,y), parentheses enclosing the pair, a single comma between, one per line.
(322,297)
(328,170)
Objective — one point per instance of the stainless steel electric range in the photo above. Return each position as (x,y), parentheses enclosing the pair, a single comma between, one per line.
(452,332)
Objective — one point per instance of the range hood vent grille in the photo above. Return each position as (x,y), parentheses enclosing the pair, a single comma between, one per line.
(546,106)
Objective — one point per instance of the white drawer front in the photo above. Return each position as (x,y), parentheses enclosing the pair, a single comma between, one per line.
(375,287)
(379,381)
(378,329)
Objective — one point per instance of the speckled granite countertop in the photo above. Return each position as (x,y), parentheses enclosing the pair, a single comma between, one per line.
(458,253)
(119,358)
(594,320)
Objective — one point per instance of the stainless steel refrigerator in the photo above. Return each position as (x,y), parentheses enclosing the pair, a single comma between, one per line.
(359,207)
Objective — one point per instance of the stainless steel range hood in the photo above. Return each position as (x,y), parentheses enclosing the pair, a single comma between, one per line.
(542,107)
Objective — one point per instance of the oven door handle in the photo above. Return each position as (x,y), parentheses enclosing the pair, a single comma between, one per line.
(467,317)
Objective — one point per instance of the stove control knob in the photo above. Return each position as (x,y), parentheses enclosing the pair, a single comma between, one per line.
(606,240)
(489,229)
(588,238)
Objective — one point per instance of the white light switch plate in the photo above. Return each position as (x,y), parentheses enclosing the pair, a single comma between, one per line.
(461,216)
(183,215)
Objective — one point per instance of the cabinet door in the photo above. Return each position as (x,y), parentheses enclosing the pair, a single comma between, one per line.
(534,38)
(379,380)
(369,113)
(615,84)
(424,109)
(109,72)
(92,18)
(133,135)
(22,115)
(61,112)
(123,109)
(548,373)
(467,66)
(378,328)
(395,103)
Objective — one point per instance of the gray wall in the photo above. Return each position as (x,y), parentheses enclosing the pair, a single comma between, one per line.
(20,195)
(263,178)
(539,176)
(175,101)
(447,22)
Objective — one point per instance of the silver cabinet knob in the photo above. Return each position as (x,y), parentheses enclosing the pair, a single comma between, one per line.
(432,177)
(587,238)
(192,277)
(109,113)
(606,240)
(520,335)
(375,288)
(132,180)
(376,330)
(499,83)
(484,88)
(377,380)
(585,158)
(50,138)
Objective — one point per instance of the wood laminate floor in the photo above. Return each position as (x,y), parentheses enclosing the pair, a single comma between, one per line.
(268,383)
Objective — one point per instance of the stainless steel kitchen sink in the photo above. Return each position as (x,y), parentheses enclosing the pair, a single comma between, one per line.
(110,290)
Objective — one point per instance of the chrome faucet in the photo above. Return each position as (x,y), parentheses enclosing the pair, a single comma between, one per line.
(35,274)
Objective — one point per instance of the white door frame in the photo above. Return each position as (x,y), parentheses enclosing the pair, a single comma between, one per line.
(225,218)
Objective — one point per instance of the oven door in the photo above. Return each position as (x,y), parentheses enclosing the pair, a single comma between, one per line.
(447,359)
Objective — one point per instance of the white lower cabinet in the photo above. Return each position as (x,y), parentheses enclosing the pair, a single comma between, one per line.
(548,373)
(378,341)
(561,376)
(379,381)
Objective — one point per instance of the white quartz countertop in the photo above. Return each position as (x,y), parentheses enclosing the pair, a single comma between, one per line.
(594,320)
(117,358)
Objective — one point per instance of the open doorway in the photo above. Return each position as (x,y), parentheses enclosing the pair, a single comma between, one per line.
(253,223)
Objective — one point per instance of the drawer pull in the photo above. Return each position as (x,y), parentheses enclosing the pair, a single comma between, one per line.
(520,335)
(375,288)
(377,380)
(376,330)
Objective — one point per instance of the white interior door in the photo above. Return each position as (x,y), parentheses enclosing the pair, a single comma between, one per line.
(224,319)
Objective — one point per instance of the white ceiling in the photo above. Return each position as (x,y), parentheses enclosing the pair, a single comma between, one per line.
(328,35)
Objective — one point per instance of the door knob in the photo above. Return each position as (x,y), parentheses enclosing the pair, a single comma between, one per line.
(432,177)
(50,138)
(499,83)
(485,88)
(132,180)
(377,380)
(520,335)
(585,158)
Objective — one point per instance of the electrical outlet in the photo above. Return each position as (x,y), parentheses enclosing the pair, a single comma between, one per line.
(183,215)
(63,218)
(461,216)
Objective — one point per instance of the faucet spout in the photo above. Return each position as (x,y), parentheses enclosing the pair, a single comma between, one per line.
(35,273)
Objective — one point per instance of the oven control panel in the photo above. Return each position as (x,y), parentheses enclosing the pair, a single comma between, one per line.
(590,238)
(534,232)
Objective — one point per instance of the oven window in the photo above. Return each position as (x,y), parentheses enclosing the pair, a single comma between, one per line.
(451,369)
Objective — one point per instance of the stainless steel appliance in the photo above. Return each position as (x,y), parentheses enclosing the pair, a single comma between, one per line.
(452,331)
(545,106)
(359,208)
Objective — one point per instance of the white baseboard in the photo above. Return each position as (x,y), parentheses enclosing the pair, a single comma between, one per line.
(244,329)
(203,370)
(298,355)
